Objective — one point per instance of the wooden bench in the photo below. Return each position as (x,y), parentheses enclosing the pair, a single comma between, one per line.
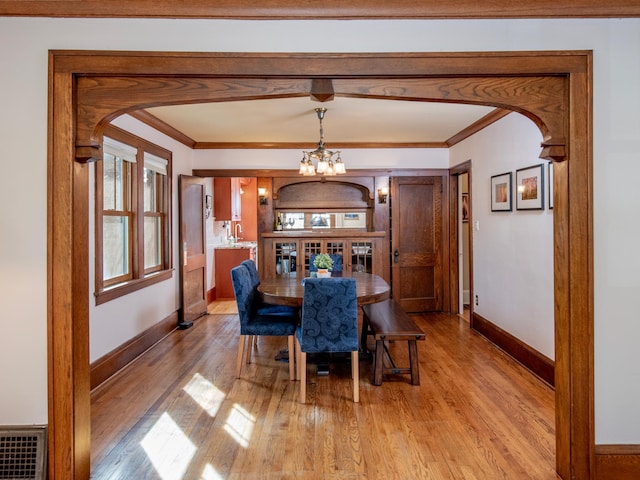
(387,321)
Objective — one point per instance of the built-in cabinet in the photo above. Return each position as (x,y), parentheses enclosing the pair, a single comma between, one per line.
(225,260)
(227,203)
(290,252)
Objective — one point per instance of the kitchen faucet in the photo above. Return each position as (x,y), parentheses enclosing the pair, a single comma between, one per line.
(236,231)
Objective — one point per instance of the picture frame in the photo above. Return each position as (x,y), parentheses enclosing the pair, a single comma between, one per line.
(530,188)
(465,208)
(501,192)
(550,189)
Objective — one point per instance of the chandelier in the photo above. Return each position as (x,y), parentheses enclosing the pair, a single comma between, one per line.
(324,158)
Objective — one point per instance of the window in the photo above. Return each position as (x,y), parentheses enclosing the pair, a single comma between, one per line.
(133,217)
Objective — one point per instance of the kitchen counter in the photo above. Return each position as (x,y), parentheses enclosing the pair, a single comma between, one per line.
(236,245)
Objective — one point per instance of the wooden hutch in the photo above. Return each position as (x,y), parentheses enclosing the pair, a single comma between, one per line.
(311,215)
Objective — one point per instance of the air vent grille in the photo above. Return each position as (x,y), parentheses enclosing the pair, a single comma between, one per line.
(22,453)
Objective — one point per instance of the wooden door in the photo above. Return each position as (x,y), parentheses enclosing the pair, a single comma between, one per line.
(193,278)
(416,243)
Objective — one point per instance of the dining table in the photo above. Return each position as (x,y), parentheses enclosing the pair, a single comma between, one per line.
(288,289)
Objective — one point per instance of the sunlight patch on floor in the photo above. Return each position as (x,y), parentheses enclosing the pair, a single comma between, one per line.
(168,448)
(210,473)
(240,425)
(205,394)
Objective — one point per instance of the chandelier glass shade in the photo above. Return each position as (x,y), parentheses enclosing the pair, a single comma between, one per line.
(328,162)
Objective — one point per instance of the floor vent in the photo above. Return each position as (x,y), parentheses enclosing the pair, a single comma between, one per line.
(23,453)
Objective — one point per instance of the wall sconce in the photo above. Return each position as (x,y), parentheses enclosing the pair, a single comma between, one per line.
(383,193)
(262,194)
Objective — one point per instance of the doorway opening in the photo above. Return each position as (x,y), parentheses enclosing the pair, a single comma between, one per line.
(533,83)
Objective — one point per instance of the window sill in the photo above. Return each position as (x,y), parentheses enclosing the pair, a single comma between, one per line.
(118,291)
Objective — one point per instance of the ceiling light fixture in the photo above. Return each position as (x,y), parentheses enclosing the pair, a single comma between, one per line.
(327,165)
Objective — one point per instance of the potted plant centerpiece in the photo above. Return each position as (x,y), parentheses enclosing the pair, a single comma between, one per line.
(323,262)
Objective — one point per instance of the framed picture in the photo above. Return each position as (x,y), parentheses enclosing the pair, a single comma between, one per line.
(550,176)
(465,208)
(530,188)
(501,192)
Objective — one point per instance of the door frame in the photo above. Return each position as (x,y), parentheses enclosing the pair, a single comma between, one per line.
(88,89)
(454,248)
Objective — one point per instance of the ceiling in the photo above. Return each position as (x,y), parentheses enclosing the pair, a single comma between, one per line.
(347,120)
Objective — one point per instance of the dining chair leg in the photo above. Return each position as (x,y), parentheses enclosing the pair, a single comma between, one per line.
(302,372)
(241,343)
(251,339)
(355,373)
(297,343)
(292,358)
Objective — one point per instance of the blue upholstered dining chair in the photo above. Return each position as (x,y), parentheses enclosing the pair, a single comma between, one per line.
(329,323)
(261,307)
(252,323)
(337,262)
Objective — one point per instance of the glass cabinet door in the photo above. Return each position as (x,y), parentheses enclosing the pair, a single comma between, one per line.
(313,247)
(361,256)
(286,253)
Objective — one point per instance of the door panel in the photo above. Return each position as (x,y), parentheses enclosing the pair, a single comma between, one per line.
(193,280)
(416,243)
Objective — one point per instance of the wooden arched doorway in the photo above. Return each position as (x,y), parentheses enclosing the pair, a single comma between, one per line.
(88,89)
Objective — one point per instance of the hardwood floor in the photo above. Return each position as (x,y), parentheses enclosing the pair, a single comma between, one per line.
(179,413)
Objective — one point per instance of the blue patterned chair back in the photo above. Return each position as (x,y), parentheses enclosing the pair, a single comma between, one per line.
(244,293)
(254,318)
(329,315)
(253,272)
(337,262)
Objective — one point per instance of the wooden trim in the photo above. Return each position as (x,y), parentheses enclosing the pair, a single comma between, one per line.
(475,127)
(163,127)
(351,172)
(114,361)
(132,286)
(328,9)
(306,145)
(537,363)
(617,462)
(211,295)
(86,91)
(454,260)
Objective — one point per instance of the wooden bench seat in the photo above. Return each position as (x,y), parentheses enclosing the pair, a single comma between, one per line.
(387,321)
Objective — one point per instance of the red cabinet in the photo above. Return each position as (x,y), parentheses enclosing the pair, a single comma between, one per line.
(225,260)
(226,199)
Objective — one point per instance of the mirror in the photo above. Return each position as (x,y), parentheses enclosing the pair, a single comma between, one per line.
(323,220)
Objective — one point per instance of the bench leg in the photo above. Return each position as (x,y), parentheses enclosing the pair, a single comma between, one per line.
(379,363)
(413,362)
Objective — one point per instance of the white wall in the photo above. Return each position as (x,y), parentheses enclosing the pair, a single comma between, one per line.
(512,251)
(353,158)
(24,45)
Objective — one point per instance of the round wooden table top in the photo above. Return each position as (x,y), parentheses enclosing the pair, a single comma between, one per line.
(288,289)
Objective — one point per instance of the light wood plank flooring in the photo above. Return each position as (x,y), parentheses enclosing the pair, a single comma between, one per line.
(179,413)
